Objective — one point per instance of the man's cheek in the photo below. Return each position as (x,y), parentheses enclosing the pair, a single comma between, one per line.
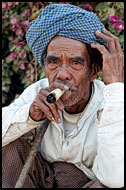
(50,77)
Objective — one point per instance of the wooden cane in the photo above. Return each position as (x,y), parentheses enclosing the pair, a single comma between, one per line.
(51,98)
(32,154)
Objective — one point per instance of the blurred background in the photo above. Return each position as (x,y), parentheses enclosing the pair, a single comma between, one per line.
(19,68)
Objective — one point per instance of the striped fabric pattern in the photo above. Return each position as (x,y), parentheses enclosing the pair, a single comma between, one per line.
(63,20)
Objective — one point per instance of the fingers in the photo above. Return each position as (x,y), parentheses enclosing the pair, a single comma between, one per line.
(44,109)
(113,42)
(52,111)
(113,63)
(109,40)
(118,48)
(59,103)
(116,39)
(101,48)
(35,112)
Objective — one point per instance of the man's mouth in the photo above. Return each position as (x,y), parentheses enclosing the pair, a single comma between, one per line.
(71,87)
(67,94)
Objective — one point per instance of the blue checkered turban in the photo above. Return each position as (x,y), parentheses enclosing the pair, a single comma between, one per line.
(63,20)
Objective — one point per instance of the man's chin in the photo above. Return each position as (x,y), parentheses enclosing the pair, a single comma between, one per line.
(69,99)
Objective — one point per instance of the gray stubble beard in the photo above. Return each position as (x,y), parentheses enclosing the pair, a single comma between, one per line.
(72,102)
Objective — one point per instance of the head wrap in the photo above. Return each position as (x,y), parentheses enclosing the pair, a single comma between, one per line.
(63,20)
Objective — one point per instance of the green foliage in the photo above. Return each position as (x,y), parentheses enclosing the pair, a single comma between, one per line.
(19,68)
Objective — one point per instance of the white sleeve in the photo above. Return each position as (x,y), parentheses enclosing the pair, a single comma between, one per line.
(15,117)
(108,164)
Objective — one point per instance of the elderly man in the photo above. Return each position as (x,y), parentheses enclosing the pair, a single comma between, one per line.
(83,145)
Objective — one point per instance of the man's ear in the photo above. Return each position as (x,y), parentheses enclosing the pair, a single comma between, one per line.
(95,68)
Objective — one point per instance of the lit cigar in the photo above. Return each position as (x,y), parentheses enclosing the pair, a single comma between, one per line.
(54,95)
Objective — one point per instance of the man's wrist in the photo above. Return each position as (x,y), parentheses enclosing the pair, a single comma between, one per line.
(32,121)
(111,80)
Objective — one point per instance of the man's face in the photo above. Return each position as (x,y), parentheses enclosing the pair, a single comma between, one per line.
(68,62)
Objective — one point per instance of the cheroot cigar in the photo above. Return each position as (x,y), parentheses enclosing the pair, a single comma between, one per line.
(54,95)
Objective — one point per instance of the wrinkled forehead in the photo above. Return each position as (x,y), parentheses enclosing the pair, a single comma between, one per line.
(61,44)
(57,40)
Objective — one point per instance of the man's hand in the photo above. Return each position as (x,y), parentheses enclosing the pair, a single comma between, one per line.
(113,58)
(41,109)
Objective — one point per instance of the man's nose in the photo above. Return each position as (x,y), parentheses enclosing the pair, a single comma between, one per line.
(64,74)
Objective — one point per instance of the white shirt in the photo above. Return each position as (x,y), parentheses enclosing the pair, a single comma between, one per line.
(96,145)
(69,122)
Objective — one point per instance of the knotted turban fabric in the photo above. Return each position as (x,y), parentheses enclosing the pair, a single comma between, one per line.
(63,20)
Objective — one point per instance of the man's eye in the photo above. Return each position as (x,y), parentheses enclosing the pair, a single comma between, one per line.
(54,61)
(76,63)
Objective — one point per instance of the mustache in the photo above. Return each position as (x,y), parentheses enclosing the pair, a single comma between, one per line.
(71,86)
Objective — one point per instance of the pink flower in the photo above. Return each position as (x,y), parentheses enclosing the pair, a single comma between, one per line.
(15,28)
(13,54)
(90,8)
(16,3)
(22,54)
(14,21)
(25,24)
(22,44)
(4,6)
(10,3)
(21,65)
(87,7)
(27,12)
(113,18)
(15,42)
(119,26)
(20,32)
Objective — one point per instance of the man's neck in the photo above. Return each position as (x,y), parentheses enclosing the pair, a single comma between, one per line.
(80,106)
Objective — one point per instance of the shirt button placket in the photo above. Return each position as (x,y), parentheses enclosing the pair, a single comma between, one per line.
(67,143)
(65,150)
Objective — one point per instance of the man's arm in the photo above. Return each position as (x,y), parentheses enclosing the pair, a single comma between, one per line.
(109,161)
(15,117)
(29,110)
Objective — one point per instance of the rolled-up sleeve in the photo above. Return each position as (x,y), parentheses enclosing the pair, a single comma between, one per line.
(108,164)
(15,117)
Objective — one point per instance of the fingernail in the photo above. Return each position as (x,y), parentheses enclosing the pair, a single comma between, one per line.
(52,118)
(98,31)
(62,107)
(59,120)
(92,45)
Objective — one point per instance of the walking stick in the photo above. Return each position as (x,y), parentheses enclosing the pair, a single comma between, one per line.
(32,154)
